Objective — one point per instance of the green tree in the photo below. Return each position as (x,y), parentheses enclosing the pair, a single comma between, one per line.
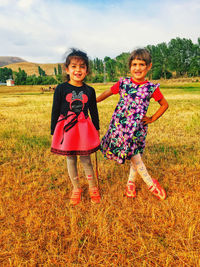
(180,53)
(97,66)
(41,71)
(59,69)
(20,77)
(5,74)
(110,67)
(160,65)
(194,68)
(59,78)
(98,78)
(122,67)
(31,80)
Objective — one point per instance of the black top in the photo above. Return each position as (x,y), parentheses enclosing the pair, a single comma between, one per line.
(71,98)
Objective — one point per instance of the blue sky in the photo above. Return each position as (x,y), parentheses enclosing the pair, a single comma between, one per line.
(42,31)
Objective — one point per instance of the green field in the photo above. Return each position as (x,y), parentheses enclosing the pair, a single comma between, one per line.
(38,227)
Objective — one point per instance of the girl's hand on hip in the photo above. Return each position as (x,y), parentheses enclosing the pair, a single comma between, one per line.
(146,120)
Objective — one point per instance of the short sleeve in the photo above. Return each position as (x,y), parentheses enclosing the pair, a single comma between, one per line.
(157,95)
(115,88)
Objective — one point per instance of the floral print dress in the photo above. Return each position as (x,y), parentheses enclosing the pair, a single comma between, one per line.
(127,133)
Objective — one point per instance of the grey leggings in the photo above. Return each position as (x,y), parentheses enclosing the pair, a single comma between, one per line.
(73,172)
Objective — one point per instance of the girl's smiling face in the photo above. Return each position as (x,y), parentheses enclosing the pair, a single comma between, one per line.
(77,70)
(139,70)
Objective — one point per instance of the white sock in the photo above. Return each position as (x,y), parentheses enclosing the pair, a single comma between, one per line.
(139,165)
(72,170)
(132,175)
(87,165)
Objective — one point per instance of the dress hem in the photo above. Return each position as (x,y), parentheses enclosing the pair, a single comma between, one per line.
(121,160)
(75,152)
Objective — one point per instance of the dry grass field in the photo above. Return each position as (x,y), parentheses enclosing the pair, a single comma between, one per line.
(32,68)
(38,227)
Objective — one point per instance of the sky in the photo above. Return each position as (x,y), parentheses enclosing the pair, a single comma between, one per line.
(41,31)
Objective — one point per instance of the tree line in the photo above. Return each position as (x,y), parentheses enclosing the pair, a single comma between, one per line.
(178,58)
(21,78)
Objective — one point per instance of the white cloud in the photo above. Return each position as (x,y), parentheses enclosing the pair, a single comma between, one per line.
(25,4)
(41,31)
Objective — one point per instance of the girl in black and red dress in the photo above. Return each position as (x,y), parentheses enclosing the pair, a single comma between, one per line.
(74,133)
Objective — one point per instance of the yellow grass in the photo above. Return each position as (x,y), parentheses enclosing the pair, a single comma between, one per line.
(39,228)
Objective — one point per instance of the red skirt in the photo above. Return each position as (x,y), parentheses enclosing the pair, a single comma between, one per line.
(81,139)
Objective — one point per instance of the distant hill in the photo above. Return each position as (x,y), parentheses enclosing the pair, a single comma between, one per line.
(9,60)
(32,68)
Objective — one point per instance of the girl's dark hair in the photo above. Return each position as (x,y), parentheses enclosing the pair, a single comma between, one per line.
(77,54)
(141,54)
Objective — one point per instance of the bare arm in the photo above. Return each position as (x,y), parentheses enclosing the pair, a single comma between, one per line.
(104,95)
(163,107)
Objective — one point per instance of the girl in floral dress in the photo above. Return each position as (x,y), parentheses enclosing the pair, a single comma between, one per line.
(125,138)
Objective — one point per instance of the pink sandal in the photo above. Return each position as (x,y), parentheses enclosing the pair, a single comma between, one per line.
(76,196)
(130,190)
(94,194)
(157,190)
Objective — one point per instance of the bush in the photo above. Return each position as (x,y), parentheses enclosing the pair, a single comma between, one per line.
(98,78)
(167,74)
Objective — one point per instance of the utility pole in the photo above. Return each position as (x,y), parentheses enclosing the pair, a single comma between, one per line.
(104,72)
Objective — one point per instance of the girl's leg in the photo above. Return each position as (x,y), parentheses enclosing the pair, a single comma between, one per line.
(132,174)
(93,190)
(140,167)
(72,170)
(87,165)
(73,174)
(153,185)
(130,187)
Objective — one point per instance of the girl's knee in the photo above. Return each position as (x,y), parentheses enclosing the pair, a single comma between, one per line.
(71,158)
(71,161)
(85,160)
(136,160)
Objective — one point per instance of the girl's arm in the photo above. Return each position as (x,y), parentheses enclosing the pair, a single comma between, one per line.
(163,107)
(93,109)
(55,113)
(104,95)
